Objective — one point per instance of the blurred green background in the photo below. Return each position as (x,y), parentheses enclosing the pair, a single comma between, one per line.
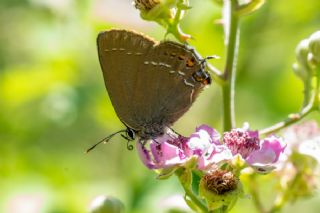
(53,103)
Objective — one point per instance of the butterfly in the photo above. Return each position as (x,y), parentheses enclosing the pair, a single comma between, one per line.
(150,84)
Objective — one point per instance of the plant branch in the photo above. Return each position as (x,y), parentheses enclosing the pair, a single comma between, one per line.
(229,74)
(312,105)
(292,118)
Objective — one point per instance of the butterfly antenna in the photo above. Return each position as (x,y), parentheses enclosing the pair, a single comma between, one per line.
(209,57)
(105,140)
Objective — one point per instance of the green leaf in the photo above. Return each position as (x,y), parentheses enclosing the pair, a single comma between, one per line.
(166,173)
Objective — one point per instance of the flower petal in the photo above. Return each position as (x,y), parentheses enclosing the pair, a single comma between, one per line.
(145,156)
(166,154)
(201,140)
(215,155)
(269,152)
(212,133)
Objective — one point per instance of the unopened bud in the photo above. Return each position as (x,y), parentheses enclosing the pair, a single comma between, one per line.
(302,67)
(302,51)
(314,46)
(249,7)
(106,204)
(301,72)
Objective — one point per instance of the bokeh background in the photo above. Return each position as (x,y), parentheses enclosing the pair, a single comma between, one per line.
(53,103)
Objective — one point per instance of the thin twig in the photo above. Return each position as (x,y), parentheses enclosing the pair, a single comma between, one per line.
(292,118)
(230,68)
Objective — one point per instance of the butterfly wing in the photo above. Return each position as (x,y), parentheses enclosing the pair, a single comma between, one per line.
(167,85)
(120,53)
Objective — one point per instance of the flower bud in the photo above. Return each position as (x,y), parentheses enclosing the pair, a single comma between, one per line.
(145,4)
(106,204)
(302,51)
(300,72)
(160,11)
(302,67)
(314,46)
(249,7)
(220,188)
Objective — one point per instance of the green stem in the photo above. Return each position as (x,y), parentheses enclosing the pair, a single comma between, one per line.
(230,68)
(307,92)
(173,25)
(193,197)
(195,200)
(253,188)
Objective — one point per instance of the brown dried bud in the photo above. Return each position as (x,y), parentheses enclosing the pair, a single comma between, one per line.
(220,188)
(145,5)
(220,182)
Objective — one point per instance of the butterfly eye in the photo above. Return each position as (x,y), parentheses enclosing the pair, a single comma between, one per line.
(202,76)
(131,134)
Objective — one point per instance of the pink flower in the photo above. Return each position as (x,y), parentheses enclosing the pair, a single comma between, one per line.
(260,154)
(172,150)
(206,146)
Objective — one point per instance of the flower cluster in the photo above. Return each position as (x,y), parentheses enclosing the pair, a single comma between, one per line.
(167,13)
(308,57)
(211,150)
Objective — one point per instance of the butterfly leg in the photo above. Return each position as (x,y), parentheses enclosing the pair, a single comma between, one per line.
(174,133)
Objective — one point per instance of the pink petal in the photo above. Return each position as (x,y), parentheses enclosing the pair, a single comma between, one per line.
(269,152)
(214,156)
(166,155)
(199,142)
(220,153)
(169,151)
(202,139)
(211,133)
(253,134)
(145,156)
(203,163)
